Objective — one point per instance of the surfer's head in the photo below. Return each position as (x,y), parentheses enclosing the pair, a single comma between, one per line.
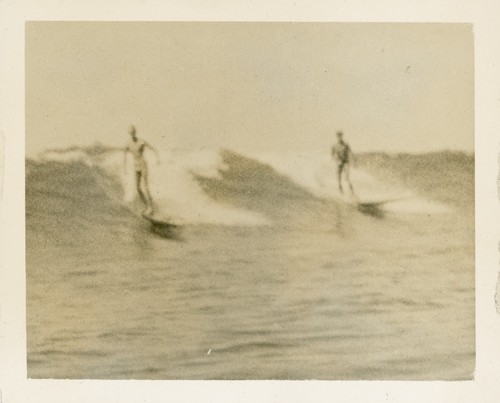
(340,135)
(132,132)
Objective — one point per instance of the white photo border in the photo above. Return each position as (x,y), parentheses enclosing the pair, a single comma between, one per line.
(14,385)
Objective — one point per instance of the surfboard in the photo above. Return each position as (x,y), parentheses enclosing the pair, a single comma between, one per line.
(163,227)
(370,207)
(160,221)
(373,208)
(375,203)
(355,201)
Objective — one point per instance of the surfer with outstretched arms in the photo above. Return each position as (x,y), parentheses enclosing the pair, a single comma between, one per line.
(136,147)
(343,155)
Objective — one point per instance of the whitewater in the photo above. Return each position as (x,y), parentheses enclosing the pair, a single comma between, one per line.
(271,272)
(176,190)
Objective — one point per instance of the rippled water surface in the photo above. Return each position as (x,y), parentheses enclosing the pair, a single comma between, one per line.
(295,286)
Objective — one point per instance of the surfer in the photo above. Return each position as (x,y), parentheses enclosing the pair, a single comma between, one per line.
(343,155)
(136,147)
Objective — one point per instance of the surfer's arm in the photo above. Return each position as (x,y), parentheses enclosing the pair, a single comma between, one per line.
(125,152)
(352,158)
(154,150)
(334,153)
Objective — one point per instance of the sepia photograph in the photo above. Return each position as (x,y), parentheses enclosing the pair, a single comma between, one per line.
(250,201)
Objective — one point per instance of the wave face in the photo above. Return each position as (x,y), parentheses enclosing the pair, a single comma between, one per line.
(273,272)
(100,183)
(227,188)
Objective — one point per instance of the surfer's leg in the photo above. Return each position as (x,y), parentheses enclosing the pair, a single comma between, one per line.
(347,177)
(339,176)
(138,176)
(146,188)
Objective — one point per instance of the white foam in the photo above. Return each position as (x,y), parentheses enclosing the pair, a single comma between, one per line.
(177,193)
(417,205)
(66,156)
(316,172)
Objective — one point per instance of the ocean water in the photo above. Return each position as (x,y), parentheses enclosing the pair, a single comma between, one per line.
(271,275)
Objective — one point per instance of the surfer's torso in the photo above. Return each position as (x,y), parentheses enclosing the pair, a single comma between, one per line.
(136,148)
(340,152)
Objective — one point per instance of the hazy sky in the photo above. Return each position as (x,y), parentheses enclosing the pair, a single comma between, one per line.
(250,86)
